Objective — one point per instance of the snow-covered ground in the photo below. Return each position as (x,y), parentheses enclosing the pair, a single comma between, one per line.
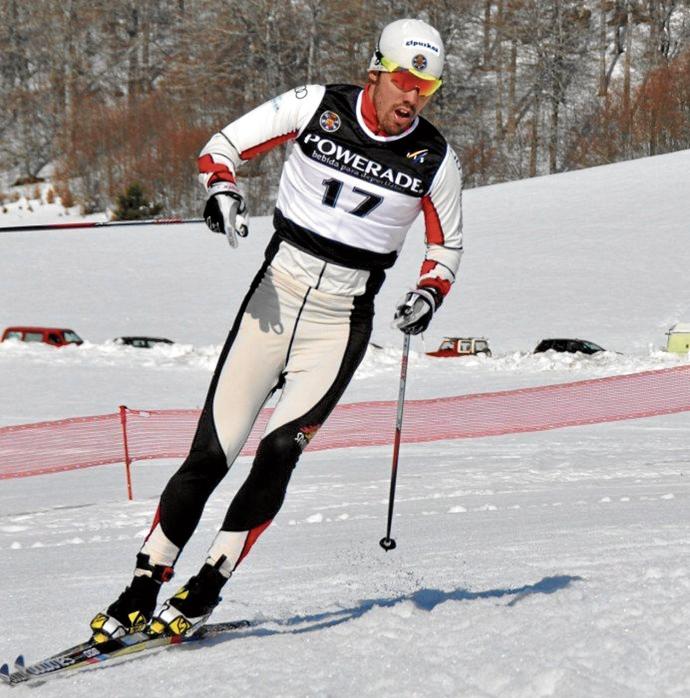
(549,564)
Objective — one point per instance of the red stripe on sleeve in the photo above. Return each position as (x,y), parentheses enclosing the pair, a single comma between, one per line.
(267,145)
(434,231)
(443,285)
(427,266)
(220,171)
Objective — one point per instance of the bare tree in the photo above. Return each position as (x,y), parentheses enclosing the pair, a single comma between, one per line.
(116,89)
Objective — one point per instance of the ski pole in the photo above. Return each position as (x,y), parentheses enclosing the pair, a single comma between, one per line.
(96,224)
(387,543)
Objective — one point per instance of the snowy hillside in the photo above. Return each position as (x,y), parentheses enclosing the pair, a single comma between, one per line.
(550,564)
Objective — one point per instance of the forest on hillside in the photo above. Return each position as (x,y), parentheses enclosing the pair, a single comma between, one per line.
(125,91)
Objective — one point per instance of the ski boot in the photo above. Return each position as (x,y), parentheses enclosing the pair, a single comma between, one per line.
(186,611)
(134,608)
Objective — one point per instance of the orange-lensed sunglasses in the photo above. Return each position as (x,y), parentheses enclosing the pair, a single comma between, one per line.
(408,79)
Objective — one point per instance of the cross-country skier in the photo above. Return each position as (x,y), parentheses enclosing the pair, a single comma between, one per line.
(363,166)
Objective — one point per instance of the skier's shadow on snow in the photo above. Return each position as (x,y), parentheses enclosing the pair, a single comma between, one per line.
(423,599)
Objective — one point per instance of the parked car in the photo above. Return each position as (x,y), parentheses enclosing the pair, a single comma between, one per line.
(55,336)
(568,345)
(142,342)
(462,346)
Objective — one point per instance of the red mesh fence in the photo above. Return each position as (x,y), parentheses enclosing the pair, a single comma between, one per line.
(48,447)
(67,444)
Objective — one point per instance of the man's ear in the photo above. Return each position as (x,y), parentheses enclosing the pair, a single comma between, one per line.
(373,76)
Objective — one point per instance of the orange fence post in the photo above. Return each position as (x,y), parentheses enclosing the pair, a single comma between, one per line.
(128,461)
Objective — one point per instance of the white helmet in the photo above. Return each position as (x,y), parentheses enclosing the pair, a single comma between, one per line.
(411,44)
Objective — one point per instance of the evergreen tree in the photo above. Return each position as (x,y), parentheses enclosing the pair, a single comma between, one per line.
(133,205)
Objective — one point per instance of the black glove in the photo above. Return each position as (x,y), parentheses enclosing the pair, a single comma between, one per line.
(225,212)
(414,312)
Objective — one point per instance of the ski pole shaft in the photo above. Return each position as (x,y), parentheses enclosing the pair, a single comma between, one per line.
(96,224)
(387,543)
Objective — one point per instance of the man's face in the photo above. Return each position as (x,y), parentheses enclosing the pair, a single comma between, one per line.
(395,108)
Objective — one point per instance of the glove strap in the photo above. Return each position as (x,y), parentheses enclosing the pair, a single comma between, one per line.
(231,189)
(431,295)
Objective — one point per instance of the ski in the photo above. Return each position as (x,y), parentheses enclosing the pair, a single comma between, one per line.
(87,655)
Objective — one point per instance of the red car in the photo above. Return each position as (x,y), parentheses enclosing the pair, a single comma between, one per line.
(462,346)
(55,336)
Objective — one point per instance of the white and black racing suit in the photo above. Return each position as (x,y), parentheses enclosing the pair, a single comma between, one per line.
(346,200)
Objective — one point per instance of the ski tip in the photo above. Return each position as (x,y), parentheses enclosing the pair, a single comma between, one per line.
(244,623)
(19,662)
(5,673)
(228,625)
(211,629)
